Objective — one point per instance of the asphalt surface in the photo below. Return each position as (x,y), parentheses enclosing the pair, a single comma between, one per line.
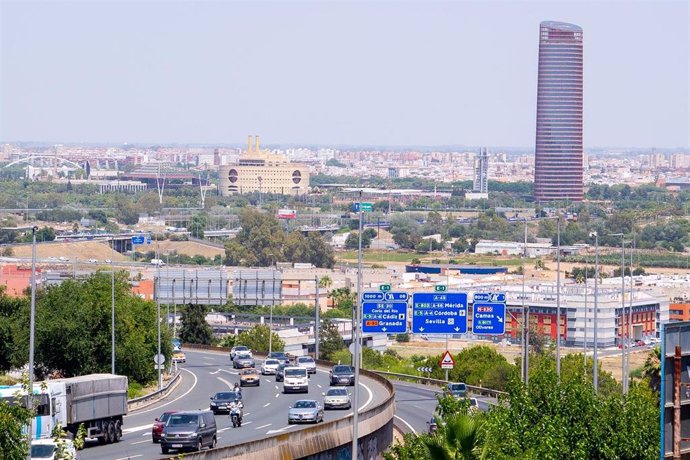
(204,374)
(415,405)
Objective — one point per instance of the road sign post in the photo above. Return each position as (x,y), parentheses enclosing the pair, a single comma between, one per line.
(439,313)
(385,288)
(488,314)
(384,312)
(138,239)
(363,207)
(440,288)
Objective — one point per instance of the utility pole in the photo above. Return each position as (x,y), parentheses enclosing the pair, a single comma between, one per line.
(112,307)
(158,320)
(584,355)
(630,315)
(525,319)
(623,342)
(356,337)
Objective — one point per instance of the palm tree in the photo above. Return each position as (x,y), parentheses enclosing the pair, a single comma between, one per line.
(458,437)
(651,371)
(325,282)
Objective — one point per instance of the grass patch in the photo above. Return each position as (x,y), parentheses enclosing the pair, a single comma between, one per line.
(135,390)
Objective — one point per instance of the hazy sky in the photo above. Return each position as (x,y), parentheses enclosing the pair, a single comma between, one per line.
(378,73)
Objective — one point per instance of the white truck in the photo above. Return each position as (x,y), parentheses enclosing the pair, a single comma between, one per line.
(99,401)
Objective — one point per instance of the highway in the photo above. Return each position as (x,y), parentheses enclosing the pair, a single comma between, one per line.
(415,405)
(204,374)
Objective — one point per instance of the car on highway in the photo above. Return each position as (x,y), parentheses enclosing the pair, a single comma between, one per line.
(52,258)
(280,372)
(305,410)
(108,261)
(249,377)
(220,402)
(474,405)
(179,357)
(457,390)
(192,430)
(306,362)
(46,449)
(280,356)
(93,261)
(159,424)
(177,344)
(337,398)
(242,361)
(239,349)
(295,379)
(342,374)
(269,366)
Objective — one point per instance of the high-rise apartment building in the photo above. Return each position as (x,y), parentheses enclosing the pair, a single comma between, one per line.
(481,172)
(558,156)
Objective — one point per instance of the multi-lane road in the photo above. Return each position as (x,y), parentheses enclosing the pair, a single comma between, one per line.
(208,372)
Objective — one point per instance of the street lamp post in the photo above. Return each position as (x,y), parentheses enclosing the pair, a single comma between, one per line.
(595,357)
(356,338)
(317,322)
(158,320)
(112,307)
(525,346)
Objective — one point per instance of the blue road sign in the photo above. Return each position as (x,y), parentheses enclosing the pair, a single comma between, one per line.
(493,297)
(489,314)
(385,296)
(384,317)
(148,239)
(138,239)
(439,312)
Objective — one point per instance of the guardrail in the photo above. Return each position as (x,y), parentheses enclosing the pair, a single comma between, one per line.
(438,382)
(143,401)
(308,441)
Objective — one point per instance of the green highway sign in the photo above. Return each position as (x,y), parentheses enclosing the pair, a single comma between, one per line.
(385,287)
(364,207)
(440,288)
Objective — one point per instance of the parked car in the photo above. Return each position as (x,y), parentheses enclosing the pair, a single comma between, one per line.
(242,361)
(280,372)
(280,356)
(220,402)
(159,424)
(337,398)
(249,377)
(179,357)
(191,430)
(306,362)
(341,374)
(457,390)
(305,410)
(239,349)
(46,448)
(269,366)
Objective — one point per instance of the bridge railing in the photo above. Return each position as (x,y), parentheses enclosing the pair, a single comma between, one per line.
(474,389)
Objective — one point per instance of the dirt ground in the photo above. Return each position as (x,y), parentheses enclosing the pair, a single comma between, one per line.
(611,364)
(190,248)
(83,250)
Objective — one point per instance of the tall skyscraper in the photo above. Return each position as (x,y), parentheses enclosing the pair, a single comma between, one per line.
(558,155)
(481,172)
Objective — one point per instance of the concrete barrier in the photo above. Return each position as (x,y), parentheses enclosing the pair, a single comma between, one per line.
(147,400)
(310,442)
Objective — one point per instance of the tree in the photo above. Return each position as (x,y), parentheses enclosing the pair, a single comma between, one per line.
(342,298)
(12,353)
(194,328)
(330,339)
(197,225)
(325,282)
(13,419)
(651,370)
(459,436)
(256,339)
(352,240)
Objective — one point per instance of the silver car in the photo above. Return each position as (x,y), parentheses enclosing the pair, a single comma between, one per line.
(337,398)
(305,411)
(308,363)
(242,361)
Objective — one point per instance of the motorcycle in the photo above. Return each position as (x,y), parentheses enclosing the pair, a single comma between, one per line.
(236,416)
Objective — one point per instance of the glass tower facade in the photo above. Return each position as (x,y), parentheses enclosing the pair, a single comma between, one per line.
(558,156)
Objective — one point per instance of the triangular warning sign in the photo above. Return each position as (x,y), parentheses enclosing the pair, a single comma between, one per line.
(447,361)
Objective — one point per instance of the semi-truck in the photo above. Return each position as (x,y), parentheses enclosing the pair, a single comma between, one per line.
(99,401)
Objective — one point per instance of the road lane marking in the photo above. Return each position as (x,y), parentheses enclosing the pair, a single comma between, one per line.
(137,428)
(277,387)
(267,404)
(131,456)
(319,385)
(247,423)
(371,396)
(224,429)
(226,382)
(168,403)
(407,424)
(215,372)
(229,372)
(277,394)
(140,442)
(248,413)
(280,430)
(268,380)
(207,364)
(263,426)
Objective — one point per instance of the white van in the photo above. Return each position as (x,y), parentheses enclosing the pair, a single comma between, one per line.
(158,262)
(295,379)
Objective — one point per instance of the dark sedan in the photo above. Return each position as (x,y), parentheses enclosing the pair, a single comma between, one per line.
(280,372)
(220,402)
(342,375)
(280,356)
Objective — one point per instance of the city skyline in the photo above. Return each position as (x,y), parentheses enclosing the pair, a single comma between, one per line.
(339,74)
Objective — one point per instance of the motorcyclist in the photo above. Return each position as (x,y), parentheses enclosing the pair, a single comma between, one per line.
(236,407)
(237,388)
